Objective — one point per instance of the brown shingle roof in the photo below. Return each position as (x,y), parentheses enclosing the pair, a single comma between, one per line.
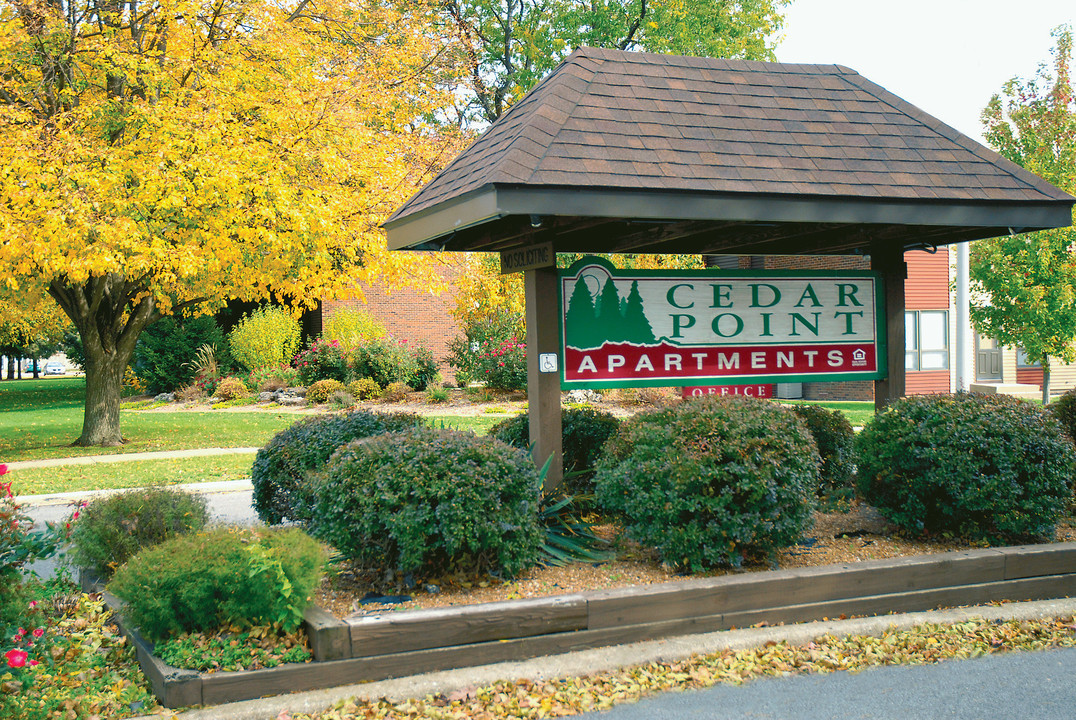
(614,120)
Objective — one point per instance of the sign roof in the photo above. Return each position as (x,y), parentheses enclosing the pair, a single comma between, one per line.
(634,152)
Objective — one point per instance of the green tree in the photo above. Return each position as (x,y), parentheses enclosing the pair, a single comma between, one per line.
(509,45)
(1024,286)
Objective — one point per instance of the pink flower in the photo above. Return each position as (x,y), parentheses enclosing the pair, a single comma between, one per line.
(16,658)
(38,632)
(3,469)
(34,663)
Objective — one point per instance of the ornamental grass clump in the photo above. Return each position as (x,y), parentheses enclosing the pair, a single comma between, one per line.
(426,502)
(281,466)
(712,481)
(227,576)
(985,467)
(111,530)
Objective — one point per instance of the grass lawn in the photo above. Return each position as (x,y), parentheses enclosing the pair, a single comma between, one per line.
(139,473)
(41,418)
(858,413)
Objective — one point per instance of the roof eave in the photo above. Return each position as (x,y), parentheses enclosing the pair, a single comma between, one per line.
(427,229)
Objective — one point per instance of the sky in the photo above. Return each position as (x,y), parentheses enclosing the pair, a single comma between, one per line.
(947,57)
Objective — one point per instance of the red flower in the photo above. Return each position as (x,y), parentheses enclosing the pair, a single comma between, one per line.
(3,469)
(16,658)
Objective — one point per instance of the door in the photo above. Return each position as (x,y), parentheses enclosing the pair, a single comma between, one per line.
(987,359)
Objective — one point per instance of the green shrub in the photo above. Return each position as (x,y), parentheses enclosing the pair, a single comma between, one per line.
(584,431)
(385,361)
(426,372)
(163,358)
(351,327)
(835,440)
(712,480)
(111,530)
(320,391)
(226,576)
(364,389)
(267,337)
(988,467)
(323,360)
(428,501)
(1064,409)
(231,388)
(280,467)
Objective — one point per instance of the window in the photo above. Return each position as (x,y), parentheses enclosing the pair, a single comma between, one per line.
(1023,361)
(926,340)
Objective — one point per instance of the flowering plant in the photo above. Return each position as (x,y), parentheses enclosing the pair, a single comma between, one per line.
(503,366)
(20,543)
(323,360)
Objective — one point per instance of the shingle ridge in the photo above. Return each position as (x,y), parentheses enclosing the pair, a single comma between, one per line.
(640,56)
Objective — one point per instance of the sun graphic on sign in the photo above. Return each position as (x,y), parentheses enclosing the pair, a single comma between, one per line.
(595,277)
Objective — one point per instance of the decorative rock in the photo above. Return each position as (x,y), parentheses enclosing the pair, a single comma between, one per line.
(300,391)
(267,396)
(214,400)
(291,400)
(583,396)
(165,397)
(432,589)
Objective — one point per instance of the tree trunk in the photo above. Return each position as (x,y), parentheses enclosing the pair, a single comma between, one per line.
(1045,380)
(109,313)
(104,385)
(37,370)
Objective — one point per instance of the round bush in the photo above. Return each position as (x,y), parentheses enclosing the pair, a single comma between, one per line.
(322,390)
(231,388)
(835,440)
(712,480)
(583,433)
(1064,409)
(226,576)
(364,389)
(428,501)
(988,467)
(111,530)
(281,466)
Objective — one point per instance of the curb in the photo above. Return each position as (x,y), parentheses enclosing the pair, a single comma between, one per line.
(588,662)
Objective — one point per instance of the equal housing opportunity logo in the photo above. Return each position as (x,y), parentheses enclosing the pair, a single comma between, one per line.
(635,328)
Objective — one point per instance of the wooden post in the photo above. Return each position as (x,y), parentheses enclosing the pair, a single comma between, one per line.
(889,261)
(543,388)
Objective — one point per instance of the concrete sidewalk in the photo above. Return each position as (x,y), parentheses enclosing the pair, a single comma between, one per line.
(128,457)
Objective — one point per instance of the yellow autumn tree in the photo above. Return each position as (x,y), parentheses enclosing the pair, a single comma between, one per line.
(168,155)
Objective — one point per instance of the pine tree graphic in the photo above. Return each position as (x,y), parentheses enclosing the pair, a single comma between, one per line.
(637,327)
(581,320)
(591,321)
(610,319)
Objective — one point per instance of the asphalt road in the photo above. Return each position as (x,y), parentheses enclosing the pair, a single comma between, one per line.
(232,507)
(1011,686)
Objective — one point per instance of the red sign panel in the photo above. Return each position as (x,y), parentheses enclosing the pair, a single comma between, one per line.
(758,391)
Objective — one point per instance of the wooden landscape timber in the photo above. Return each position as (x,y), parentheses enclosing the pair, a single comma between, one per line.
(376,647)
